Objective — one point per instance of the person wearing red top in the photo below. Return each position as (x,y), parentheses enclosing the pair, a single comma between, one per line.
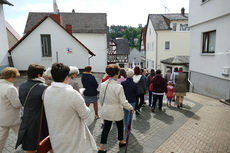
(170,91)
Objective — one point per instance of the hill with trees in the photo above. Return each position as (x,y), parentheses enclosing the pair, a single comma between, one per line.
(133,34)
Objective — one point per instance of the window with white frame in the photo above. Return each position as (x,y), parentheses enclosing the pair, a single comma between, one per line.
(46,45)
(167,45)
(184,27)
(174,26)
(209,42)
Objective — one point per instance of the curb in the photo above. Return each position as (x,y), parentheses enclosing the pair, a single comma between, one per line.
(224,101)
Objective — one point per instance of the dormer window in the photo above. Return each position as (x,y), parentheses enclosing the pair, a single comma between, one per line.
(174,26)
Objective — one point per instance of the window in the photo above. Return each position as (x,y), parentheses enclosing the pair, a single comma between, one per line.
(209,42)
(174,26)
(184,27)
(167,45)
(46,46)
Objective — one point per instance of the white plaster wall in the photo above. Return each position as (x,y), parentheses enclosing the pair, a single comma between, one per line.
(179,43)
(29,50)
(150,46)
(209,10)
(3,39)
(213,64)
(97,43)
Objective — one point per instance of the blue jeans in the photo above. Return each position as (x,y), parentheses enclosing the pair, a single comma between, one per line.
(128,116)
(150,97)
(155,97)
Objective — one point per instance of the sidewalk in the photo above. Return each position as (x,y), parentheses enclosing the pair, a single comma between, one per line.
(203,125)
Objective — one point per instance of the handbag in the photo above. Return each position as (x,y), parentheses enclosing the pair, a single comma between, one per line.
(44,145)
(151,85)
(24,105)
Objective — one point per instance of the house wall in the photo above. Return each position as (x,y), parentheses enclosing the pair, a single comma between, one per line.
(211,64)
(3,40)
(150,47)
(11,39)
(199,13)
(206,69)
(97,43)
(29,50)
(179,43)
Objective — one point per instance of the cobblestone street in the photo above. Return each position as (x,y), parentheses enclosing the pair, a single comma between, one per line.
(201,126)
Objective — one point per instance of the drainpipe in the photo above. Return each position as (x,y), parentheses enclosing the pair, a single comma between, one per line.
(89,59)
(156,49)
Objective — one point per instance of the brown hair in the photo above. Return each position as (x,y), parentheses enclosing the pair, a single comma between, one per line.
(112,70)
(122,73)
(9,72)
(137,70)
(34,70)
(88,68)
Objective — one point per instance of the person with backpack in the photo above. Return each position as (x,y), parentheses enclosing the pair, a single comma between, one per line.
(141,88)
(159,86)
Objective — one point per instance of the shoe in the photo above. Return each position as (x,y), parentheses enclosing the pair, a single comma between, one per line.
(150,105)
(102,151)
(167,105)
(122,144)
(181,105)
(153,110)
(160,109)
(137,112)
(178,106)
(97,117)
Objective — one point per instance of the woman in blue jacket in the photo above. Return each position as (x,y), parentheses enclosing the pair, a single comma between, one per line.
(90,94)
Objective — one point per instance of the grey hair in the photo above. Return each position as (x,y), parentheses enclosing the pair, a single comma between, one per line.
(129,73)
(73,70)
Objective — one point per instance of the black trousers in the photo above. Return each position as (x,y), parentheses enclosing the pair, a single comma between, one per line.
(139,103)
(106,129)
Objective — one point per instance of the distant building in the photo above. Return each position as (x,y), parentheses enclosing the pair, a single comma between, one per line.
(13,36)
(118,52)
(210,48)
(135,58)
(89,28)
(49,42)
(167,36)
(3,37)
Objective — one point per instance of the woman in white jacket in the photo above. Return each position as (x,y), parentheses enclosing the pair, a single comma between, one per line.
(112,99)
(9,104)
(66,113)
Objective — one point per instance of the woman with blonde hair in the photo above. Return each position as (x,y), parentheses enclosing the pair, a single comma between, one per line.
(9,104)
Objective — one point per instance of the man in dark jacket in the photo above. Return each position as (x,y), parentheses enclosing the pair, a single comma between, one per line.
(159,88)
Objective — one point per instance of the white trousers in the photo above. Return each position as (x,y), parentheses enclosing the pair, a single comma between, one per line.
(4,132)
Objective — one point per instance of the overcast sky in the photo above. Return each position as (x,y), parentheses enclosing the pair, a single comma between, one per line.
(119,12)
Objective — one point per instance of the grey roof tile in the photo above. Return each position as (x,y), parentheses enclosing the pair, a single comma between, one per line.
(161,21)
(122,46)
(81,22)
(177,60)
(5,2)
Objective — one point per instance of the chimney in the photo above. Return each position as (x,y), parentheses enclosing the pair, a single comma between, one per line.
(68,28)
(182,11)
(57,18)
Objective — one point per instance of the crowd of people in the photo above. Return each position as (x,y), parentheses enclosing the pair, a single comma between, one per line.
(66,106)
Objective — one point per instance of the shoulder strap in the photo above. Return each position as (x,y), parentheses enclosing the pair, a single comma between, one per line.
(105,92)
(29,93)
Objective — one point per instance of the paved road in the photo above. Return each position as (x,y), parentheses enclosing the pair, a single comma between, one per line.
(203,125)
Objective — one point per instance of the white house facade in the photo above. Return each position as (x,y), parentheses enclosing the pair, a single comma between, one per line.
(167,36)
(48,43)
(90,28)
(210,48)
(3,37)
